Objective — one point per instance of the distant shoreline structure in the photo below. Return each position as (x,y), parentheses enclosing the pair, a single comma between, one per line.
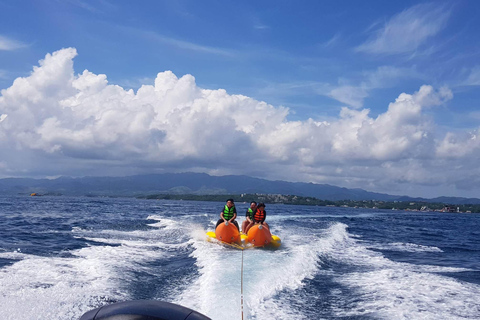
(311,201)
(420,206)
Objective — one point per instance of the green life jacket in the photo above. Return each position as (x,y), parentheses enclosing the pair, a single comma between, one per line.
(228,212)
(250,213)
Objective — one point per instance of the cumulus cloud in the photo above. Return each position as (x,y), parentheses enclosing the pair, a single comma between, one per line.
(407,31)
(56,122)
(458,146)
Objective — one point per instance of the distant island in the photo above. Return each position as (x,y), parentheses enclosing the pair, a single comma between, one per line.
(201,186)
(311,201)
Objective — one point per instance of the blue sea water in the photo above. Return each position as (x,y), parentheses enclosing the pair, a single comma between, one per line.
(60,257)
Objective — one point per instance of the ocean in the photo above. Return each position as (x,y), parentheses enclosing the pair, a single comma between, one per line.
(62,256)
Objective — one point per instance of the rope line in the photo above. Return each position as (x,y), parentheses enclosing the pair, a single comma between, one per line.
(237,246)
(241,287)
(234,245)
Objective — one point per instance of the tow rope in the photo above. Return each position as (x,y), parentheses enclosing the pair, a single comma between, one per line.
(241,287)
(234,245)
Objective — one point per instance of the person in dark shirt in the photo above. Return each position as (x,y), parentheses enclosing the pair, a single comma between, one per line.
(228,214)
(248,223)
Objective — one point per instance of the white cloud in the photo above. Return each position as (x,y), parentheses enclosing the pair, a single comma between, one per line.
(350,95)
(260,26)
(334,40)
(408,30)
(387,76)
(474,77)
(54,122)
(100,6)
(349,92)
(83,5)
(185,45)
(8,44)
(382,77)
(459,145)
(474,115)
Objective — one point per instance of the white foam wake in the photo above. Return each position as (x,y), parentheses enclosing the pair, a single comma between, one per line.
(61,288)
(374,287)
(65,288)
(217,290)
(386,289)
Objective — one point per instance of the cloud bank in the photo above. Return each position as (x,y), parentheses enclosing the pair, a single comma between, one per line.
(56,122)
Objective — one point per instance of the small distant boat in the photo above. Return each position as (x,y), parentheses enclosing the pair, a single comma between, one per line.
(34,194)
(258,236)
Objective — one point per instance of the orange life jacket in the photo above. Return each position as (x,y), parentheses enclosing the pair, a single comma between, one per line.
(260,216)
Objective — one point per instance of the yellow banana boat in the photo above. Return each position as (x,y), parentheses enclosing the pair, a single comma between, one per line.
(257,236)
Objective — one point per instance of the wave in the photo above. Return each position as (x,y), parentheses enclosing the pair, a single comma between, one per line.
(405,247)
(379,287)
(62,288)
(37,287)
(14,255)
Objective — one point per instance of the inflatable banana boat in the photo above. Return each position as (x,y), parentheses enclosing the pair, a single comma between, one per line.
(257,236)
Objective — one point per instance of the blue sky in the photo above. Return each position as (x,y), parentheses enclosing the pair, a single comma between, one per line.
(309,61)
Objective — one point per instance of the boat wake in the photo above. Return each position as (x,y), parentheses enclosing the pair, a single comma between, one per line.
(275,283)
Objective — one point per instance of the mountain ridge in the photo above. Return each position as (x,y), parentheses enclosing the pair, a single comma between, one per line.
(198,183)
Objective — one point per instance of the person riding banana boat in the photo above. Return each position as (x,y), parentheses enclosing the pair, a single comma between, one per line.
(229,214)
(258,217)
(256,230)
(248,223)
